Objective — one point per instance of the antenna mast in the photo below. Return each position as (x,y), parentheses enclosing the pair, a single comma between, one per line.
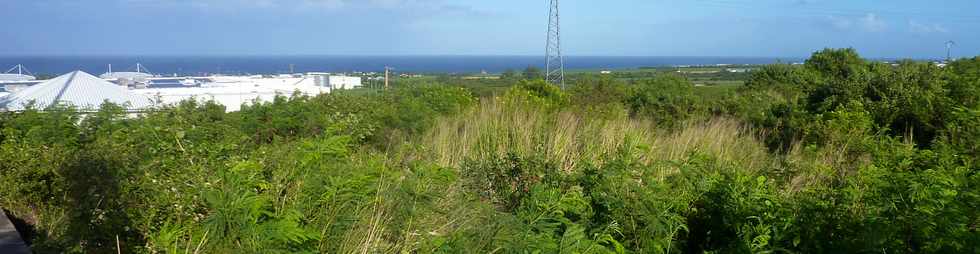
(554,62)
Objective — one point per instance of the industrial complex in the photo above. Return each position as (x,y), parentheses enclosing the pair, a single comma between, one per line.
(140,90)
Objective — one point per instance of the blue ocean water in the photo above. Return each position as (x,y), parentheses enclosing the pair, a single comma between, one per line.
(203,65)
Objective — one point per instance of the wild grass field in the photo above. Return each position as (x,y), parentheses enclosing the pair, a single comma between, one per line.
(840,155)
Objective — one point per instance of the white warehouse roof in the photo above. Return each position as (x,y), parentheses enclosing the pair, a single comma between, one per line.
(15,77)
(79,89)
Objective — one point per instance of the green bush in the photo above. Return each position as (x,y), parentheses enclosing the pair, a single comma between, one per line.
(961,135)
(601,97)
(668,100)
(536,93)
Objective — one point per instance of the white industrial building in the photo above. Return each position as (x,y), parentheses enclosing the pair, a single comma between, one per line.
(138,75)
(334,81)
(135,76)
(87,92)
(234,91)
(10,76)
(78,89)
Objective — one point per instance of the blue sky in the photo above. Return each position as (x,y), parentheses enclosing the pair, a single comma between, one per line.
(877,28)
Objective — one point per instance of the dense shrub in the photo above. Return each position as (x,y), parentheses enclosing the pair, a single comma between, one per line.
(367,118)
(964,85)
(600,97)
(667,100)
(962,134)
(536,93)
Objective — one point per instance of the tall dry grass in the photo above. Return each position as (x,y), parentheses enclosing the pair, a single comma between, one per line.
(496,128)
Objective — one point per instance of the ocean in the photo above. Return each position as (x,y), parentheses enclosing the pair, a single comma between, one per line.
(204,65)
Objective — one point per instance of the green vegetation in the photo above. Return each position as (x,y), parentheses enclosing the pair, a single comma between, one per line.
(711,80)
(840,155)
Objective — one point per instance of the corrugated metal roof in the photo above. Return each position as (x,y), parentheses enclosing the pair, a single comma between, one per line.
(79,89)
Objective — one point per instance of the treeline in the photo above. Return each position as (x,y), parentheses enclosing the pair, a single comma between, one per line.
(839,155)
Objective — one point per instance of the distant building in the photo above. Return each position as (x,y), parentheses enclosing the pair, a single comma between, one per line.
(480,77)
(140,75)
(134,76)
(77,89)
(343,82)
(14,86)
(334,81)
(230,91)
(19,76)
(15,77)
(605,72)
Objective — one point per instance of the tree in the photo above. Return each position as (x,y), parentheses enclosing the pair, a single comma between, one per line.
(509,74)
(532,73)
(965,86)
(908,99)
(668,99)
(842,77)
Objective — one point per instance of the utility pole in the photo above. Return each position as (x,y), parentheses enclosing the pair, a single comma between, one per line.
(387,69)
(554,62)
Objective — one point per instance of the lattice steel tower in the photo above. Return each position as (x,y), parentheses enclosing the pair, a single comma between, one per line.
(949,50)
(554,63)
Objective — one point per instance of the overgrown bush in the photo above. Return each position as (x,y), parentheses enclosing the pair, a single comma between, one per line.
(668,100)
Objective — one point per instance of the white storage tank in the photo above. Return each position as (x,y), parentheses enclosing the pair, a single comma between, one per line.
(334,81)
(343,82)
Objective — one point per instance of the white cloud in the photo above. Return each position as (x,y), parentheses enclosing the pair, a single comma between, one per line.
(867,23)
(926,28)
(872,23)
(841,23)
